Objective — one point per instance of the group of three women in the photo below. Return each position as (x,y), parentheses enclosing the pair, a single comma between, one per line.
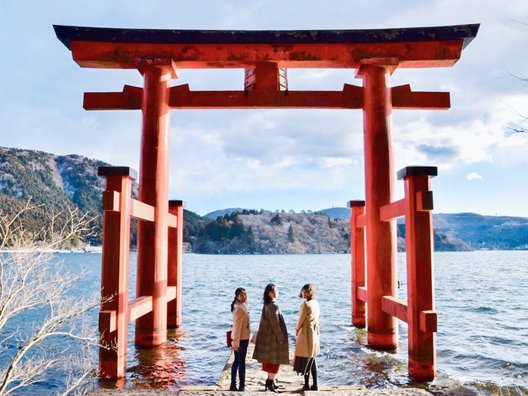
(271,343)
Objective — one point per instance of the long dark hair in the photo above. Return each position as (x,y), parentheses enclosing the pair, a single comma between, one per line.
(237,292)
(269,287)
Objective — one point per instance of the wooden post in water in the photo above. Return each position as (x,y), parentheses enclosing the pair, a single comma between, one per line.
(113,317)
(175,262)
(357,248)
(381,236)
(421,317)
(151,329)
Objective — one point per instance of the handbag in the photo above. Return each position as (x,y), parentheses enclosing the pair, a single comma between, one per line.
(229,338)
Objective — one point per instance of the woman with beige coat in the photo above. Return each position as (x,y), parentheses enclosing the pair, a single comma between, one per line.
(240,334)
(307,345)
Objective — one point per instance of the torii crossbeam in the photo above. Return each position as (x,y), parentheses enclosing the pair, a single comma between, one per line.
(265,56)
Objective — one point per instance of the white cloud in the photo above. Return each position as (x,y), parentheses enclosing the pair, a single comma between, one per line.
(473,176)
(332,162)
(257,152)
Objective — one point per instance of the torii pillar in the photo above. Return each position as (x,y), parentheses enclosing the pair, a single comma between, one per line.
(151,329)
(379,175)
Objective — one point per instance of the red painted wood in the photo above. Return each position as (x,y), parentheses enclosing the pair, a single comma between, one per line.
(361,220)
(123,55)
(142,211)
(381,235)
(362,294)
(349,98)
(357,248)
(424,200)
(404,98)
(172,220)
(264,96)
(111,201)
(139,307)
(171,293)
(114,279)
(420,280)
(394,307)
(392,210)
(428,321)
(151,329)
(175,262)
(130,99)
(107,321)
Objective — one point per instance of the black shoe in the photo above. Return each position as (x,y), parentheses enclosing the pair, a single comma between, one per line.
(269,386)
(241,388)
(306,387)
(314,387)
(233,388)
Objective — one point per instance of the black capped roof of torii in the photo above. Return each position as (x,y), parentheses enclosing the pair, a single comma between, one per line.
(66,34)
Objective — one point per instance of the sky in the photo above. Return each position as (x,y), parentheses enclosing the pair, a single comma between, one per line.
(281,159)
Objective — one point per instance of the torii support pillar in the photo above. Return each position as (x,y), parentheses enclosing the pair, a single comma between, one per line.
(113,318)
(379,175)
(357,248)
(151,329)
(175,272)
(421,317)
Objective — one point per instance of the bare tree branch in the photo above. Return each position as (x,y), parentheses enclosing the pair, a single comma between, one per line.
(522,125)
(31,278)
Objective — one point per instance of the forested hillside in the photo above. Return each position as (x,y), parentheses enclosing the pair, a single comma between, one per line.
(58,183)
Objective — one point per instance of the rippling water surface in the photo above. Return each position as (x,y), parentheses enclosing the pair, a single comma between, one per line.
(481,299)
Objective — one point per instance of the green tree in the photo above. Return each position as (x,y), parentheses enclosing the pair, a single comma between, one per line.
(291,237)
(276,220)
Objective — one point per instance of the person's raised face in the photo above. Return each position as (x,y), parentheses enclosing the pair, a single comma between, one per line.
(274,293)
(242,296)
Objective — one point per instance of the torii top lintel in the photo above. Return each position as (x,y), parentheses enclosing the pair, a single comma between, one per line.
(408,47)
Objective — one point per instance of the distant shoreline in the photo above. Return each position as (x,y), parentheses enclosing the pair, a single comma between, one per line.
(90,249)
(99,250)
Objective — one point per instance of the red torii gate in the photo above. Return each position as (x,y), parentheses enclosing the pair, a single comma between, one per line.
(265,56)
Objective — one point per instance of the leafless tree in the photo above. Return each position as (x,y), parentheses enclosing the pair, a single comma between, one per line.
(520,126)
(38,311)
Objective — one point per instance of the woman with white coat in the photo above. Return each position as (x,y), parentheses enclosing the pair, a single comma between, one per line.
(240,336)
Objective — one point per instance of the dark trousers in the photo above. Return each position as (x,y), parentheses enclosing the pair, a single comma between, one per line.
(240,363)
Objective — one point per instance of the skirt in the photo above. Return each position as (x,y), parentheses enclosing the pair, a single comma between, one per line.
(270,368)
(303,365)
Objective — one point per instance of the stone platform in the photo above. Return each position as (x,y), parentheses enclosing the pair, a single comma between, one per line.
(289,384)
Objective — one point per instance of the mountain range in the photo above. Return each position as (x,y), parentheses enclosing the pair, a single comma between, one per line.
(57,182)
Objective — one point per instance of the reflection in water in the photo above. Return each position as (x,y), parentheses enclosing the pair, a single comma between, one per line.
(161,367)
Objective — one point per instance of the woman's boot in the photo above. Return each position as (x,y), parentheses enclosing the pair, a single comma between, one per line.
(314,376)
(269,386)
(306,381)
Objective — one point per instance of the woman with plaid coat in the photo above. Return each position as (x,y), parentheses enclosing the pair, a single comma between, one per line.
(271,347)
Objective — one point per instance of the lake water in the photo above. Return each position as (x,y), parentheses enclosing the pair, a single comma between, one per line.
(481,300)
